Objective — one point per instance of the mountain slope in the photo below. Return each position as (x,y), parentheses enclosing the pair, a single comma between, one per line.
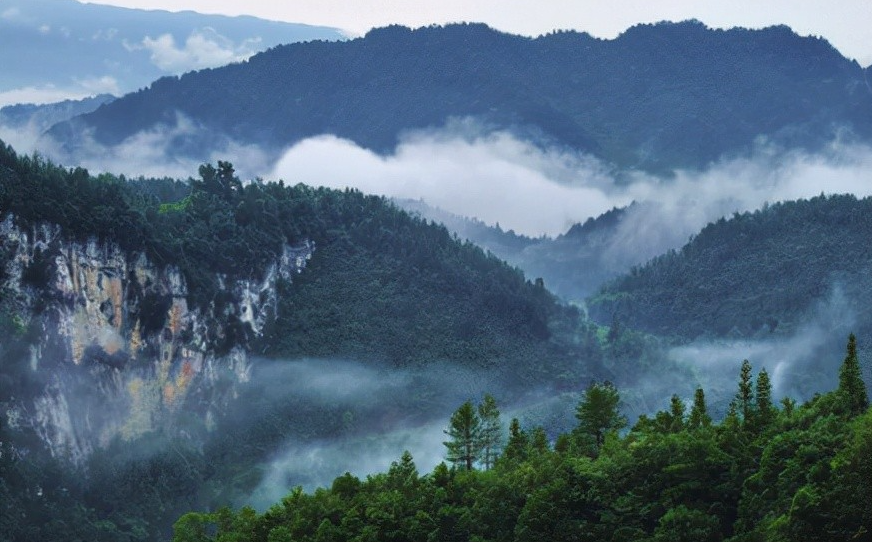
(756,273)
(119,50)
(657,97)
(152,341)
(573,265)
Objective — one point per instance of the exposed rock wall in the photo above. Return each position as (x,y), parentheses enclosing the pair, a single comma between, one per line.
(119,347)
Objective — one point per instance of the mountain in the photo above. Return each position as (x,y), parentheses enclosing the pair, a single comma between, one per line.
(180,335)
(754,274)
(657,97)
(574,264)
(23,124)
(118,50)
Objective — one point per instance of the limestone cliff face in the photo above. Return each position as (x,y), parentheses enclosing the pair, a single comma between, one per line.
(119,347)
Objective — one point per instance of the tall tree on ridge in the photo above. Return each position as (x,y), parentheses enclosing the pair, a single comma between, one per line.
(464,432)
(491,430)
(851,385)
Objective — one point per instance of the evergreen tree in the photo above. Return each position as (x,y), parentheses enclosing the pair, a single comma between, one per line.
(676,414)
(765,409)
(464,432)
(745,395)
(539,442)
(851,385)
(491,430)
(516,448)
(597,413)
(699,412)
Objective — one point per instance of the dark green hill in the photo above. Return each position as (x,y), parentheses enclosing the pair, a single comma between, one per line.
(657,97)
(381,285)
(755,273)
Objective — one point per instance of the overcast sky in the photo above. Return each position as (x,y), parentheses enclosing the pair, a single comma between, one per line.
(845,23)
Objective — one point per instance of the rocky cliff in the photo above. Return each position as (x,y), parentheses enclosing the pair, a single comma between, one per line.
(115,346)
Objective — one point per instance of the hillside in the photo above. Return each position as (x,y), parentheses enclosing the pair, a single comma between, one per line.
(573,265)
(177,335)
(657,97)
(768,471)
(119,50)
(753,274)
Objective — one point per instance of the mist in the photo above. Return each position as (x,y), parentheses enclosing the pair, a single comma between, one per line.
(799,364)
(499,178)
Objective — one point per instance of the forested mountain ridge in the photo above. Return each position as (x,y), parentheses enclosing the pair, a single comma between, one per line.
(131,313)
(769,471)
(752,274)
(573,265)
(657,97)
(118,49)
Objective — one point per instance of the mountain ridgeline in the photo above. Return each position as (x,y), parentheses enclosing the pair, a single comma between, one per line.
(657,97)
(151,333)
(753,274)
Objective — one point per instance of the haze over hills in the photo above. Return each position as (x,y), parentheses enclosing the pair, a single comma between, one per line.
(118,50)
(658,97)
(753,274)
(169,345)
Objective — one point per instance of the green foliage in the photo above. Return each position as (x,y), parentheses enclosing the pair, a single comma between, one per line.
(660,482)
(731,279)
(464,433)
(851,384)
(598,413)
(658,97)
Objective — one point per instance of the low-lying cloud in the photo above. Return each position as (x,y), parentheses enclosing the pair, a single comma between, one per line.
(203,48)
(499,178)
(799,364)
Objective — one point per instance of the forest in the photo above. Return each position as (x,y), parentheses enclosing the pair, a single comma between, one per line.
(656,98)
(769,471)
(754,273)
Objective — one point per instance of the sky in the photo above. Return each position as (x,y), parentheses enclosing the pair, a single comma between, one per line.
(844,23)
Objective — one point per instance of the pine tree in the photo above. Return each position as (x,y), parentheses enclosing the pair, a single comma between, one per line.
(491,430)
(851,385)
(676,414)
(699,412)
(745,395)
(597,413)
(539,442)
(516,448)
(464,432)
(765,409)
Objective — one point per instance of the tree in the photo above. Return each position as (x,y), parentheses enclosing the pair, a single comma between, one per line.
(597,413)
(851,385)
(516,448)
(699,412)
(676,414)
(464,432)
(765,409)
(745,395)
(491,430)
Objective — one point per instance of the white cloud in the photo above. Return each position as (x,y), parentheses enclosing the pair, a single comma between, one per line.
(10,13)
(204,48)
(46,94)
(40,95)
(498,178)
(150,153)
(44,29)
(495,177)
(100,85)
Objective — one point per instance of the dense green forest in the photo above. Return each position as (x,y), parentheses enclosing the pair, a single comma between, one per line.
(767,472)
(383,288)
(658,97)
(754,274)
(381,285)
(573,265)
